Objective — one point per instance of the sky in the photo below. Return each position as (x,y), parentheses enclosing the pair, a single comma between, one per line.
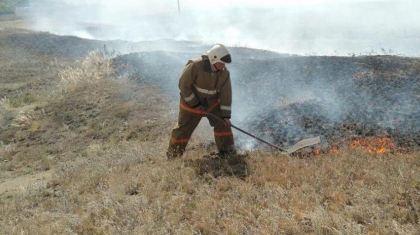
(305,27)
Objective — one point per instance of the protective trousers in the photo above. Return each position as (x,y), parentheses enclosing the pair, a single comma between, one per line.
(187,122)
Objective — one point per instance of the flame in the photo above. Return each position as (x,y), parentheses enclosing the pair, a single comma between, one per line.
(378,145)
(317,151)
(334,149)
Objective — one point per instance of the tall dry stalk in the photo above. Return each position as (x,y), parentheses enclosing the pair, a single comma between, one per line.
(95,67)
(26,118)
(5,103)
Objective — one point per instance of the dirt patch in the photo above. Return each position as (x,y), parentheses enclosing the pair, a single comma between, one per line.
(215,166)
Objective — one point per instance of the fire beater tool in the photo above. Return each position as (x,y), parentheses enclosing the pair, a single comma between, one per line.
(301,144)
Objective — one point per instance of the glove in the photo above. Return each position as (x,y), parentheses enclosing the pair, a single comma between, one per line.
(226,122)
(204,103)
(201,105)
(198,106)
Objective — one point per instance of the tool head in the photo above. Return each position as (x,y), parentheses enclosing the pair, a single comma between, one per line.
(302,144)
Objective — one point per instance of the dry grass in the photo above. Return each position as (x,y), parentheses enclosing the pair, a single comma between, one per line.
(104,142)
(28,119)
(91,107)
(130,189)
(95,67)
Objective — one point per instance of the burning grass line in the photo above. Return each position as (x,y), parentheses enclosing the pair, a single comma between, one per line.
(127,187)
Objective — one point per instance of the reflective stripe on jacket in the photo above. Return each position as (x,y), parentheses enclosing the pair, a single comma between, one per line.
(200,83)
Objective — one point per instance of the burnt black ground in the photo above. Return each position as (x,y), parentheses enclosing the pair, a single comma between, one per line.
(278,97)
(286,98)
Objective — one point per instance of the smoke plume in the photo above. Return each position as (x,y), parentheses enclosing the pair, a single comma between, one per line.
(317,27)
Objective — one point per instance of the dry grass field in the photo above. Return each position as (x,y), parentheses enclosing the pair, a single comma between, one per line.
(83,152)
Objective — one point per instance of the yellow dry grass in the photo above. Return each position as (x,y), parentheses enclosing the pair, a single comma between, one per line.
(105,148)
(130,189)
(95,67)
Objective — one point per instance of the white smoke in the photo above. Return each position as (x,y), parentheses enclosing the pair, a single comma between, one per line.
(306,27)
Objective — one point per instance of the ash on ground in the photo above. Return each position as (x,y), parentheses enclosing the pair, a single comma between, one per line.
(284,99)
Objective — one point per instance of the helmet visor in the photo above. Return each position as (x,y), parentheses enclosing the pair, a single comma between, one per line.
(226,59)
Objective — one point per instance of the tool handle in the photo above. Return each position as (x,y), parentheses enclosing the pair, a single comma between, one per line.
(247,133)
(255,137)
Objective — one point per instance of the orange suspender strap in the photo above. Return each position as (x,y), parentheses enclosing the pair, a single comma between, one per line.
(222,134)
(199,111)
(179,141)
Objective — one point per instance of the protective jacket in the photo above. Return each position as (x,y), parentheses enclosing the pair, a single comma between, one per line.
(201,84)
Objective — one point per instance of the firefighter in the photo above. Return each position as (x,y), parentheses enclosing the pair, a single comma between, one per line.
(205,88)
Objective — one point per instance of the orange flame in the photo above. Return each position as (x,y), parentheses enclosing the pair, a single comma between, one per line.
(334,149)
(375,144)
(317,151)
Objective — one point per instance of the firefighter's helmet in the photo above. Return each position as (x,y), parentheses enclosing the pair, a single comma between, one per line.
(219,53)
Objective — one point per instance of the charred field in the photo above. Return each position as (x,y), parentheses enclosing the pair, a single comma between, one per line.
(287,98)
(84,125)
